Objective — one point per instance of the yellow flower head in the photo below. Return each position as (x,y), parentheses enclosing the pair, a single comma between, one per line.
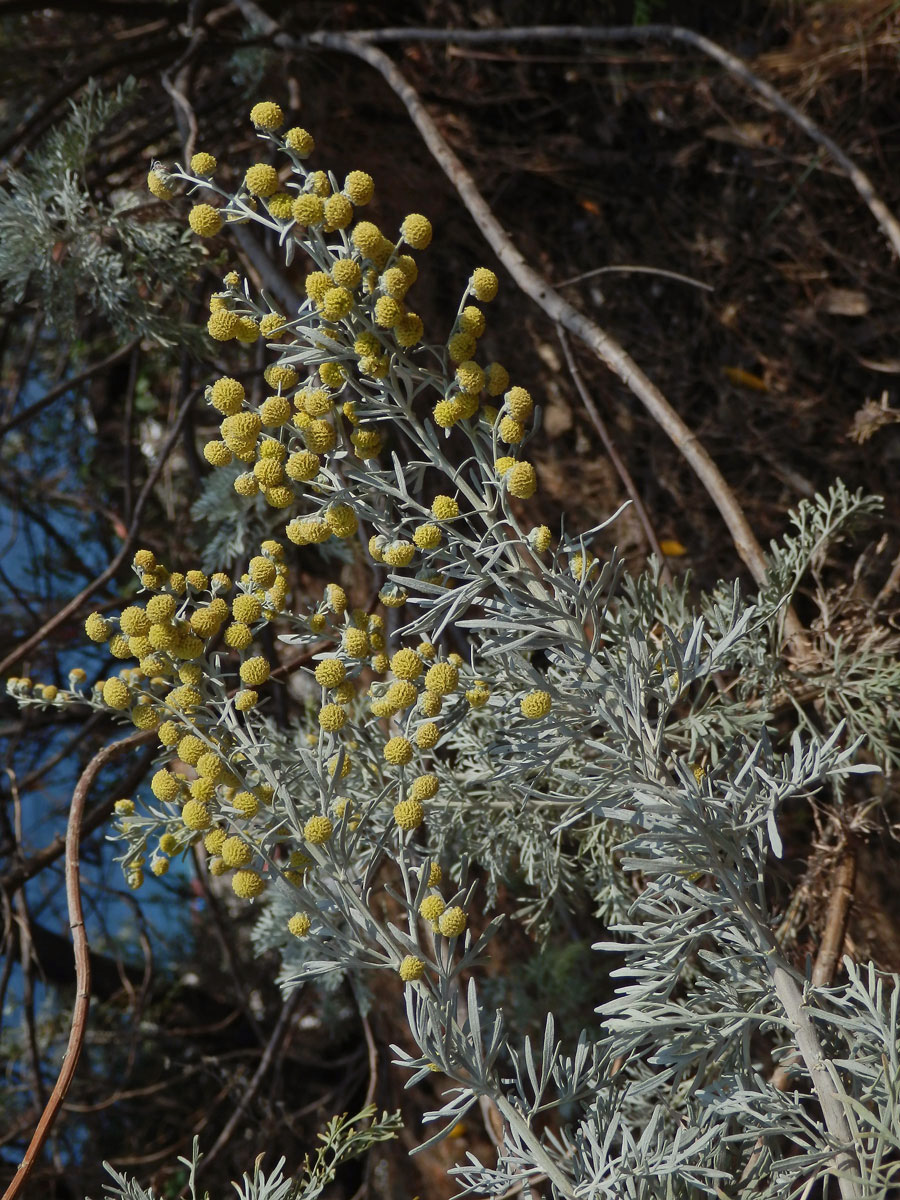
(267,115)
(483,284)
(301,142)
(416,231)
(203,164)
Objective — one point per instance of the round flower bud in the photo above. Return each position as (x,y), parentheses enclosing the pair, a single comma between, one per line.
(195,815)
(332,717)
(470,376)
(496,379)
(430,704)
(308,209)
(478,694)
(406,664)
(423,787)
(511,430)
(338,212)
(223,325)
(445,508)
(355,642)
(366,442)
(217,454)
(318,830)
(267,115)
(275,411)
(272,326)
(416,231)
(262,571)
(203,164)
(165,786)
(336,303)
(359,187)
(341,519)
(261,180)
(435,874)
(330,672)
(168,843)
(302,465)
(519,403)
(409,329)
(227,395)
(427,735)
(411,969)
(246,608)
(442,678)
(246,804)
(255,671)
(427,537)
(247,884)
(205,220)
(452,922)
(522,480)
(280,206)
(431,907)
(401,694)
(471,320)
(483,284)
(540,538)
(235,852)
(460,347)
(168,733)
(535,705)
(409,814)
(98,628)
(446,413)
(116,694)
(299,925)
(398,751)
(246,699)
(124,808)
(158,186)
(398,553)
(320,437)
(388,312)
(301,142)
(190,748)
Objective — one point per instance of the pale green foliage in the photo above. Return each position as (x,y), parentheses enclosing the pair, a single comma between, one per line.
(72,250)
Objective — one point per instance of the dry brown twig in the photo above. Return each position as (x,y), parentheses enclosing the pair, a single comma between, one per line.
(82,957)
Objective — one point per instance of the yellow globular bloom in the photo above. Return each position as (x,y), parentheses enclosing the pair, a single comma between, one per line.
(336,303)
(267,115)
(235,852)
(411,969)
(522,480)
(341,519)
(484,284)
(246,608)
(168,843)
(427,735)
(196,816)
(280,206)
(160,866)
(205,220)
(435,874)
(416,231)
(461,347)
(367,238)
(262,571)
(301,142)
(302,465)
(308,209)
(330,672)
(582,565)
(344,692)
(168,733)
(210,766)
(359,187)
(279,376)
(470,376)
(248,331)
(511,430)
(394,283)
(203,164)
(165,786)
(116,694)
(124,808)
(355,642)
(338,212)
(431,908)
(299,925)
(446,413)
(409,814)
(134,622)
(215,840)
(346,273)
(366,442)
(318,830)
(320,437)
(478,694)
(496,379)
(275,411)
(388,312)
(332,717)
(246,699)
(398,751)
(272,326)
(535,705)
(255,671)
(227,395)
(540,538)
(158,186)
(519,403)
(406,664)
(247,884)
(398,553)
(409,329)
(261,180)
(217,454)
(190,748)
(427,537)
(98,628)
(336,598)
(246,804)
(423,787)
(445,508)
(401,694)
(452,922)
(430,704)
(442,678)
(223,325)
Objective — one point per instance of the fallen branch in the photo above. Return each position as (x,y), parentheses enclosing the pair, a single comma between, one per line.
(82,958)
